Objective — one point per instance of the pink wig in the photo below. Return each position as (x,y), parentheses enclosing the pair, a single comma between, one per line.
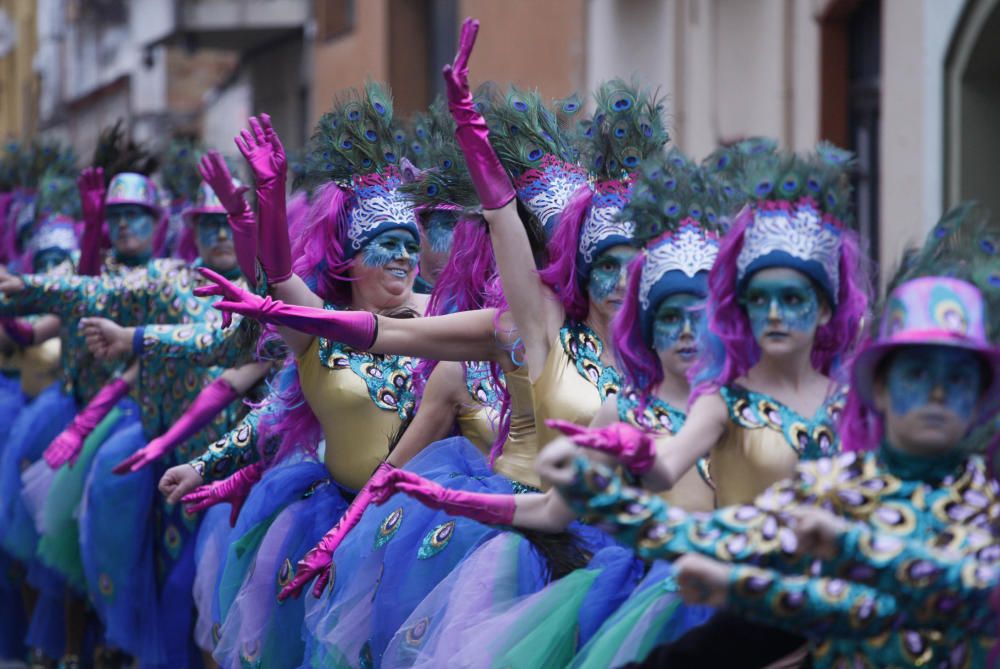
(560,274)
(469,281)
(318,242)
(187,249)
(637,361)
(734,349)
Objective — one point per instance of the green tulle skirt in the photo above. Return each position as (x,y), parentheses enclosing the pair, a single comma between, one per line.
(59,546)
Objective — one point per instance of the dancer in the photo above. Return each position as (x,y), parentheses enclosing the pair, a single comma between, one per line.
(928,377)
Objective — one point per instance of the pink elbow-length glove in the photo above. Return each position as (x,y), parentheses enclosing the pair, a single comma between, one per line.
(215,172)
(19,330)
(357,329)
(263,151)
(492,184)
(233,490)
(67,446)
(487,508)
(91,187)
(628,444)
(215,397)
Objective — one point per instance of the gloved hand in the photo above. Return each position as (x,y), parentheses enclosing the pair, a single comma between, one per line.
(91,186)
(489,178)
(215,397)
(233,490)
(67,446)
(357,329)
(215,172)
(631,446)
(266,156)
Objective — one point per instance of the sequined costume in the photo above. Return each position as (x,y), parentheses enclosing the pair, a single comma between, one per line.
(943,503)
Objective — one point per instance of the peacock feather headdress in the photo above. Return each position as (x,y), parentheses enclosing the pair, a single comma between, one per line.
(801,205)
(679,210)
(535,149)
(179,169)
(627,127)
(358,146)
(443,182)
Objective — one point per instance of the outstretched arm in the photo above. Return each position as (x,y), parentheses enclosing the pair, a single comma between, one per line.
(677,454)
(469,335)
(537,314)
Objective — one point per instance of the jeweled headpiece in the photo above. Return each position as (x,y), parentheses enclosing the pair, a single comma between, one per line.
(626,128)
(535,149)
(678,210)
(357,146)
(800,207)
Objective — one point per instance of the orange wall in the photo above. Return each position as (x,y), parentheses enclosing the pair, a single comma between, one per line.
(349,60)
(530,43)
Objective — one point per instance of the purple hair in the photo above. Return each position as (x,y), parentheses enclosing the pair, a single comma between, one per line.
(560,274)
(638,363)
(318,246)
(860,427)
(736,349)
(318,241)
(187,249)
(470,281)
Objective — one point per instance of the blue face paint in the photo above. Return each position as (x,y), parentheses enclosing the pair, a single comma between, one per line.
(46,260)
(212,229)
(391,246)
(677,315)
(131,219)
(607,271)
(439,226)
(914,373)
(790,304)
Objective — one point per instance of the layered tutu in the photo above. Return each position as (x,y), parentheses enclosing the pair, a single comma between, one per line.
(214,536)
(36,425)
(116,542)
(274,532)
(401,551)
(652,615)
(59,545)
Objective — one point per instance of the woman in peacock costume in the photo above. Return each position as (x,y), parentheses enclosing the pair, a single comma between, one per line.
(485,335)
(908,556)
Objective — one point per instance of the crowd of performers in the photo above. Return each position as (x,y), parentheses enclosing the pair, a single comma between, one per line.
(507,384)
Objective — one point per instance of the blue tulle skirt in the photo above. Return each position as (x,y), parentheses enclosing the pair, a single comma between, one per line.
(275,530)
(401,551)
(214,537)
(116,542)
(14,625)
(36,425)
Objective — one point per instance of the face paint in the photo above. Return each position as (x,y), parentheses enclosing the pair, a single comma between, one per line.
(915,373)
(789,303)
(440,229)
(391,246)
(677,315)
(45,260)
(211,229)
(607,271)
(131,219)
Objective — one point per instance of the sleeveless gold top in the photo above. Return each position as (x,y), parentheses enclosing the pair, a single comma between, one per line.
(574,382)
(765,440)
(40,366)
(360,400)
(693,492)
(479,419)
(517,462)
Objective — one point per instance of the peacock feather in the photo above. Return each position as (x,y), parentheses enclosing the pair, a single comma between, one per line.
(40,157)
(626,128)
(117,153)
(445,179)
(769,176)
(179,169)
(523,130)
(357,137)
(670,189)
(57,194)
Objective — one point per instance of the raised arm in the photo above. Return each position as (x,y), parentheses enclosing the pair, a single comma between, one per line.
(536,311)
(91,187)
